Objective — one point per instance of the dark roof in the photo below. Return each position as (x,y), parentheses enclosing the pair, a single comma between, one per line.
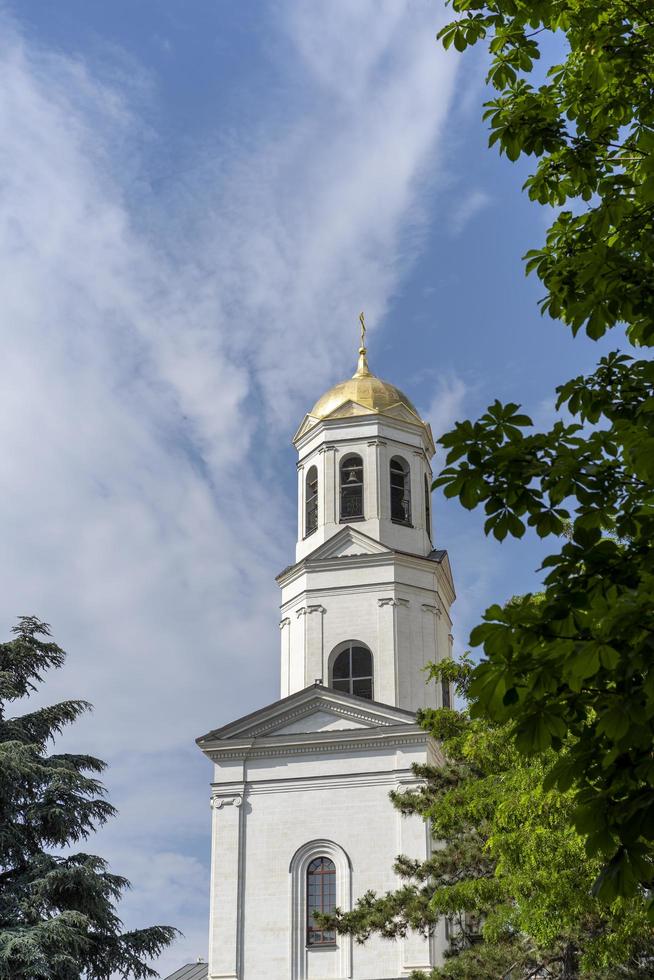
(296,694)
(192,971)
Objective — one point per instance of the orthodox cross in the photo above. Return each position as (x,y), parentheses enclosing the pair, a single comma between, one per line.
(362,321)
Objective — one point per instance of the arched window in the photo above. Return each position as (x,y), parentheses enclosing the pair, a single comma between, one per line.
(351,489)
(352,671)
(400,491)
(311,501)
(427,507)
(309,956)
(321,897)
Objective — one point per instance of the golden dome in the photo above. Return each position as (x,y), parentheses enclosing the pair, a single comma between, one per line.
(362,391)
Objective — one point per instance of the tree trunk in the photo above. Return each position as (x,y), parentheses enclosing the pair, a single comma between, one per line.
(570,963)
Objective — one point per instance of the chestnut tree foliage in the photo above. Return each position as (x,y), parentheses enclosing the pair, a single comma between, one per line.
(509,872)
(57,908)
(574,673)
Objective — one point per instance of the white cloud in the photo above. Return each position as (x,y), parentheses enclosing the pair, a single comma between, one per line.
(155,360)
(446,406)
(467,208)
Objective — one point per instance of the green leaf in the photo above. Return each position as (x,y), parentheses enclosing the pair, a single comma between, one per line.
(533,735)
(585,662)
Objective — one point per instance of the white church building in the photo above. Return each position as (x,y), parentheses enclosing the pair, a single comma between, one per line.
(301,816)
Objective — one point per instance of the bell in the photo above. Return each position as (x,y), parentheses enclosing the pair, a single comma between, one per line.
(352,477)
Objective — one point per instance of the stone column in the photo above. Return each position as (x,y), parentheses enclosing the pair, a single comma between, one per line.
(226,890)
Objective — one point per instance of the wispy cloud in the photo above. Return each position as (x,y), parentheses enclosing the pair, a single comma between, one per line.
(155,358)
(466,209)
(447,404)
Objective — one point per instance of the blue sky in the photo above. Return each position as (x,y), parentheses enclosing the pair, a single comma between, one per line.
(197,200)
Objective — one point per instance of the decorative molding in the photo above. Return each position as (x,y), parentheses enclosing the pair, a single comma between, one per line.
(390,601)
(310,748)
(303,610)
(284,622)
(327,781)
(234,799)
(310,709)
(435,610)
(327,449)
(377,442)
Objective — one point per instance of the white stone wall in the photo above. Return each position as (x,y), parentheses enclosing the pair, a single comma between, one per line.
(398,608)
(308,806)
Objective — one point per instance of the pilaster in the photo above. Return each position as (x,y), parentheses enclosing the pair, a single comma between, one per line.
(300,501)
(314,646)
(412,841)
(285,677)
(389,641)
(373,487)
(327,496)
(227,831)
(431,614)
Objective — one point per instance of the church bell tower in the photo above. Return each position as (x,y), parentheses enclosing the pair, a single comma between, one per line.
(301,816)
(366,568)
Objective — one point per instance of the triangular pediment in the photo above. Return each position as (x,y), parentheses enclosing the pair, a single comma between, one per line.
(317,719)
(347,541)
(313,710)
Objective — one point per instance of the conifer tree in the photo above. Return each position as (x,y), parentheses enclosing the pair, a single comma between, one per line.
(58,919)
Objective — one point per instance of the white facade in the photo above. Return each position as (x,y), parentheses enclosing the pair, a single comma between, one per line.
(308,777)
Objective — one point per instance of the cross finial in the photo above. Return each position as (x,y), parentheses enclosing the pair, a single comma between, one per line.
(362,370)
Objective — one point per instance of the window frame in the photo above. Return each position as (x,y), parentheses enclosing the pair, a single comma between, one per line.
(327,878)
(348,459)
(310,501)
(406,489)
(301,954)
(348,647)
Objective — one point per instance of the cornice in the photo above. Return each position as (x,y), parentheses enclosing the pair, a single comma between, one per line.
(366,419)
(393,778)
(314,743)
(382,559)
